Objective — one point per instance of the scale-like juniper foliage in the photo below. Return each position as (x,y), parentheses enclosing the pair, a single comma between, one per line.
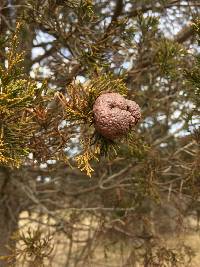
(17,97)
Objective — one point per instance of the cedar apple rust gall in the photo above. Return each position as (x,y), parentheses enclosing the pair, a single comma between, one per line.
(114,115)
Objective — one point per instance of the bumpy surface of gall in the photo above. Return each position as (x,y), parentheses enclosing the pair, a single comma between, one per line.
(114,115)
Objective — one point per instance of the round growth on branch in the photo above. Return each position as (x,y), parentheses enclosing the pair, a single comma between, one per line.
(114,115)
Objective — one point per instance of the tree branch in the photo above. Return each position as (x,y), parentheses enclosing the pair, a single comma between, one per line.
(144,8)
(45,55)
(117,12)
(184,34)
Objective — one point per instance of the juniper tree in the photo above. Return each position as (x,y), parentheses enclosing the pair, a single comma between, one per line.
(62,64)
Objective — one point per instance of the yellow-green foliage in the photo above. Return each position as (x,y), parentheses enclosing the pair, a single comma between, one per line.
(89,153)
(16,96)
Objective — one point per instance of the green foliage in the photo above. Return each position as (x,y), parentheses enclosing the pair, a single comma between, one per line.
(170,57)
(147,25)
(193,77)
(83,8)
(17,96)
(94,54)
(137,145)
(167,55)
